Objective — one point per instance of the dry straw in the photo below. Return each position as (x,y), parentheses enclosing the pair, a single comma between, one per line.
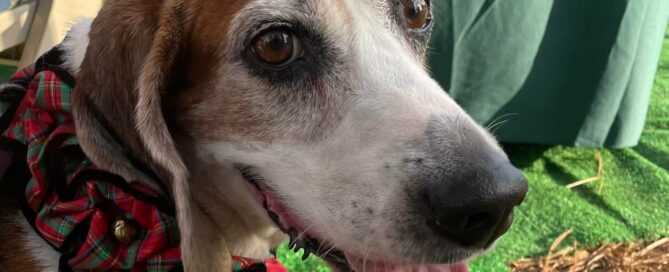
(634,257)
(599,177)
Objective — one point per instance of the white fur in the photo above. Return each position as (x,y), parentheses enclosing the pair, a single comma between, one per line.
(39,249)
(251,234)
(75,45)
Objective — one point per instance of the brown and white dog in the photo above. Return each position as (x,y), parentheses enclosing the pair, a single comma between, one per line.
(322,107)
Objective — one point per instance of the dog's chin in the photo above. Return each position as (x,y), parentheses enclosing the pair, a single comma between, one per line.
(360,264)
(302,238)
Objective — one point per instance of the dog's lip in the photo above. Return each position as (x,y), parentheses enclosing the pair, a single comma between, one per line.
(301,238)
(361,264)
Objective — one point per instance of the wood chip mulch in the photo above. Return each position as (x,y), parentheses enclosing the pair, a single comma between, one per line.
(631,257)
(634,257)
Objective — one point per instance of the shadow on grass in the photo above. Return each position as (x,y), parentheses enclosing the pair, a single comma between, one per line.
(524,155)
(659,158)
(561,176)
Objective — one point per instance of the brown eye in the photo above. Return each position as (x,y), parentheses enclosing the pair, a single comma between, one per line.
(416,13)
(277,47)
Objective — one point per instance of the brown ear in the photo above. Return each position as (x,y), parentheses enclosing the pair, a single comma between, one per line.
(134,49)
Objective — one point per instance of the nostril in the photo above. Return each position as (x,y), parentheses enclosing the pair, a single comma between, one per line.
(474,208)
(470,229)
(478,221)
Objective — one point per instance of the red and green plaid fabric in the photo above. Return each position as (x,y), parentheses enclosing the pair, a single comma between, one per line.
(85,206)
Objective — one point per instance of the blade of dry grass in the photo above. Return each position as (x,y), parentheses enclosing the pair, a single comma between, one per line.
(554,246)
(599,177)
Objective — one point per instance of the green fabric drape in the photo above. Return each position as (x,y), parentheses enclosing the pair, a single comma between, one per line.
(571,72)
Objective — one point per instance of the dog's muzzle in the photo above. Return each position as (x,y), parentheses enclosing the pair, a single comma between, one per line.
(471,187)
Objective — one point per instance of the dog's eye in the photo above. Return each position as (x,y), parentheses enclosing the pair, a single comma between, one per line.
(416,13)
(277,47)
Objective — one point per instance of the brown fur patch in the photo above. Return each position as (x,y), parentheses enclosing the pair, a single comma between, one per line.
(132,67)
(208,39)
(105,97)
(121,38)
(14,255)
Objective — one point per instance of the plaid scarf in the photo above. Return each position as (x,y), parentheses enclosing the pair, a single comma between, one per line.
(76,207)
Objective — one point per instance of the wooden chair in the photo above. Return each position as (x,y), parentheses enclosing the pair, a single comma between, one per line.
(41,24)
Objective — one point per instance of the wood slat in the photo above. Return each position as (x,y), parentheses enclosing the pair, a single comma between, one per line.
(15,25)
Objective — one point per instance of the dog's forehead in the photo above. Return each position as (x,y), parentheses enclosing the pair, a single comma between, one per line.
(322,5)
(333,13)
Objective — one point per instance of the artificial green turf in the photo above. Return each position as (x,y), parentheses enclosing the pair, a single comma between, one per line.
(6,72)
(634,204)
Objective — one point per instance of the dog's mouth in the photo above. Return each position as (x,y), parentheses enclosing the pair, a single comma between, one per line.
(302,238)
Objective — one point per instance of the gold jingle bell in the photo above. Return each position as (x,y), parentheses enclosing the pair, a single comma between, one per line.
(125,231)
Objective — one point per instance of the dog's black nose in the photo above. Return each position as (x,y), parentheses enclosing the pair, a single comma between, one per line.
(474,207)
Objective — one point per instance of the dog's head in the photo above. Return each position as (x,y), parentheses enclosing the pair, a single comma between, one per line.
(315,117)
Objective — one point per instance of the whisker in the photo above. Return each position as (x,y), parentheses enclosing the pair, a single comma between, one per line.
(327,252)
(422,259)
(499,118)
(332,246)
(365,255)
(320,245)
(498,126)
(301,235)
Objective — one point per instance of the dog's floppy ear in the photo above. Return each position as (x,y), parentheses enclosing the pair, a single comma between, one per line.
(134,50)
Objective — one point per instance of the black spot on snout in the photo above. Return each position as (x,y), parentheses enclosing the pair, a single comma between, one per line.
(417,160)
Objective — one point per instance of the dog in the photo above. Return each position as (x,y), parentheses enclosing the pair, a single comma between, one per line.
(321,109)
